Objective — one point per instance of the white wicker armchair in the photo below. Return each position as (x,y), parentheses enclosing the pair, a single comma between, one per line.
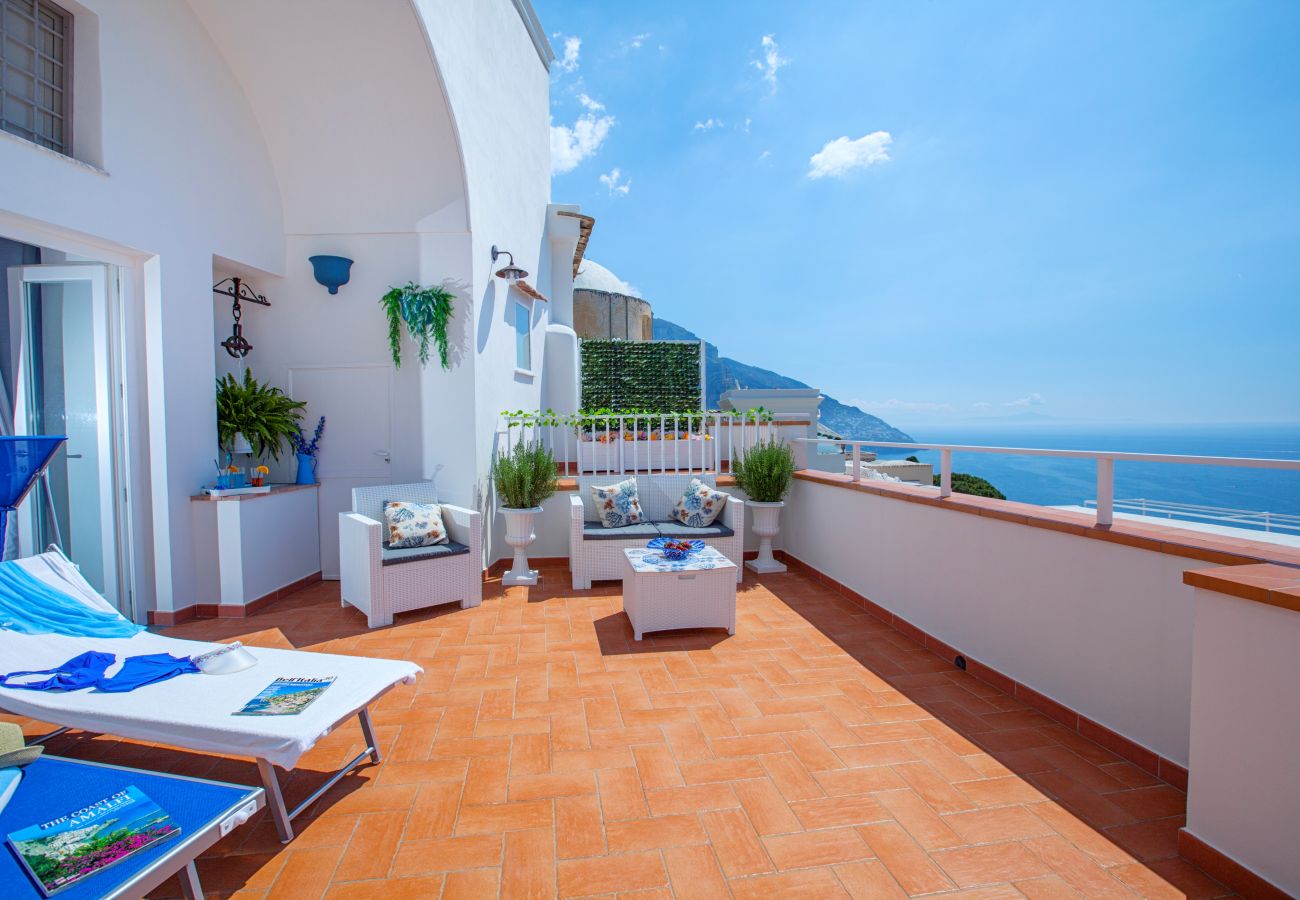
(380,582)
(596,553)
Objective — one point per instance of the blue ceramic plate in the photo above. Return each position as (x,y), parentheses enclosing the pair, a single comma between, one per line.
(661,544)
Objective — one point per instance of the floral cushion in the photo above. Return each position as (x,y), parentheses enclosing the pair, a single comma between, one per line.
(700,505)
(413,524)
(617,505)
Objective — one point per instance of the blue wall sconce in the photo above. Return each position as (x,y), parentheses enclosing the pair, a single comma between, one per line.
(331,271)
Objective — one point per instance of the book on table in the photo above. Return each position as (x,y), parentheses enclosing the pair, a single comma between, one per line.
(61,852)
(285,697)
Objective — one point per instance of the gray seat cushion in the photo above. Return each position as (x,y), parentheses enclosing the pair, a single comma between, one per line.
(678,530)
(594,531)
(411,554)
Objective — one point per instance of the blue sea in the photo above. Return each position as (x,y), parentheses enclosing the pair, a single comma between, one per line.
(1057,482)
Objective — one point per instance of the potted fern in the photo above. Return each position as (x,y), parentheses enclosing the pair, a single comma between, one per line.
(764,473)
(254,417)
(524,477)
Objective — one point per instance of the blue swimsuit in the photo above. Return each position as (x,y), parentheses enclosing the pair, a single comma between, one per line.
(87,671)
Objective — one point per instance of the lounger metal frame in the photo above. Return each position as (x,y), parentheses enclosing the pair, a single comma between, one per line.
(280,813)
(266,769)
(275,800)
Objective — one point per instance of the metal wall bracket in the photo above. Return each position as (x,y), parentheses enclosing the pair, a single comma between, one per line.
(237,345)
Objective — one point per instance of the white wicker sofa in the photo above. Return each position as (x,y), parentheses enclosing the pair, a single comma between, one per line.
(596,552)
(380,581)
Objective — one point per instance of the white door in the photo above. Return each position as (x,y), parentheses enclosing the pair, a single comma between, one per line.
(356,402)
(68,383)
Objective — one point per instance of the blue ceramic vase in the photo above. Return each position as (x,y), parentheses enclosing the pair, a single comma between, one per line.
(306,469)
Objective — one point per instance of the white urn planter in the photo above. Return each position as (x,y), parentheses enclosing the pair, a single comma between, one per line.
(520,535)
(766,518)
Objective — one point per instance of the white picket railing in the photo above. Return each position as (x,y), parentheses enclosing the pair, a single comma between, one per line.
(1105,460)
(629,444)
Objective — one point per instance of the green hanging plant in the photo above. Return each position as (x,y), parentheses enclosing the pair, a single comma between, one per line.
(426,312)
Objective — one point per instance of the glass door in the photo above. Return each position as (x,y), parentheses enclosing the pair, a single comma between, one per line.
(66,385)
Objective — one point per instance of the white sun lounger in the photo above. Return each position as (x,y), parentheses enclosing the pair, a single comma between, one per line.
(194,712)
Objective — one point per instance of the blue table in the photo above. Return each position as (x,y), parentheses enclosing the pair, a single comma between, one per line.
(52,786)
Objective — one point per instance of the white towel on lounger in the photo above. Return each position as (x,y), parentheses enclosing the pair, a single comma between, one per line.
(193,711)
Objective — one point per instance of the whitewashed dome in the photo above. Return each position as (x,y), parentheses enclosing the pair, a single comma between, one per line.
(592,276)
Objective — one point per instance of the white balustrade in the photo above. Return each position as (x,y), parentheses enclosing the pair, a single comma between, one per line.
(616,444)
(1105,502)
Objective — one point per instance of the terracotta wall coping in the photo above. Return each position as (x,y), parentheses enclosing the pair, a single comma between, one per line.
(1263,583)
(241,498)
(1198,545)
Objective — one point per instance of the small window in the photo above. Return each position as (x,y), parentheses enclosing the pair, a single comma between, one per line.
(523,337)
(35,73)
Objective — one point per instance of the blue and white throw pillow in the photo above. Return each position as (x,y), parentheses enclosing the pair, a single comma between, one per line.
(412,524)
(700,505)
(617,505)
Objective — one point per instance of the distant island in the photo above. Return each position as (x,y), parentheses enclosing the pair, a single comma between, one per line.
(723,374)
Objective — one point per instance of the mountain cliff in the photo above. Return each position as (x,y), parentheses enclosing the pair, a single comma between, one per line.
(722,374)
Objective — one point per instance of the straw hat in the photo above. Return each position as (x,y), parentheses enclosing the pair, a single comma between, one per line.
(13,749)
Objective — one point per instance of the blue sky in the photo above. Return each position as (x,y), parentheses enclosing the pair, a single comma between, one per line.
(943,210)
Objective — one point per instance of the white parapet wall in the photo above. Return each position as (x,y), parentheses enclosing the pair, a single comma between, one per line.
(255,545)
(1244,787)
(1103,628)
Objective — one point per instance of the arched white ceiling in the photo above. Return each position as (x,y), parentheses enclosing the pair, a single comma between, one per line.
(352,111)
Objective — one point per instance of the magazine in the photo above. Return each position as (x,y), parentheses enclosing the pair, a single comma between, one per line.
(286,697)
(74,847)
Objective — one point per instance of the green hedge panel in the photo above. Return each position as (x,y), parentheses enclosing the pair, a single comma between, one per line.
(657,376)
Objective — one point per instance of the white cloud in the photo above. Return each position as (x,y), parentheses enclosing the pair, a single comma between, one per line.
(906,405)
(570,145)
(1034,399)
(841,156)
(770,60)
(635,42)
(568,61)
(588,103)
(708,124)
(744,126)
(982,405)
(613,179)
(764,155)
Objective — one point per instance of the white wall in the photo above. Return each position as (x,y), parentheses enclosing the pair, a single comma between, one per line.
(240,137)
(186,177)
(1103,628)
(1244,787)
(264,555)
(561,371)
(497,88)
(361,133)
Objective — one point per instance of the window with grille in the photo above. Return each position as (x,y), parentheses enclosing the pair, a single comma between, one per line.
(35,72)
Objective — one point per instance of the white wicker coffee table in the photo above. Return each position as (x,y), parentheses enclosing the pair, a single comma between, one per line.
(660,594)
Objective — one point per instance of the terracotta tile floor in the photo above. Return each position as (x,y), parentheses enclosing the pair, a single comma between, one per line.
(816,753)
